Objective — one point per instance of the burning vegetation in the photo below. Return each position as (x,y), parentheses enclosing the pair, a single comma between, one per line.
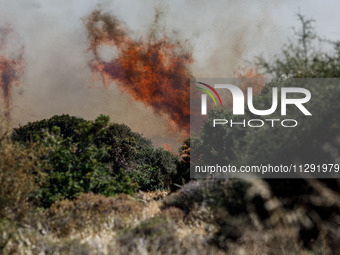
(12,66)
(153,69)
(62,192)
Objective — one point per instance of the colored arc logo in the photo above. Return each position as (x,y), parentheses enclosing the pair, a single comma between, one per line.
(208,92)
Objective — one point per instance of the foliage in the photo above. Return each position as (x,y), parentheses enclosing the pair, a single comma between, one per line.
(158,232)
(314,140)
(156,168)
(97,156)
(32,130)
(79,167)
(19,165)
(90,211)
(229,195)
(301,59)
(209,216)
(183,166)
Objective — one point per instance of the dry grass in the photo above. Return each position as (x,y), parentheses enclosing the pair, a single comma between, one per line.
(92,212)
(94,224)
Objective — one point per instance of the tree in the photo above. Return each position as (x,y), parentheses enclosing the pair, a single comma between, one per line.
(301,59)
(96,156)
(312,141)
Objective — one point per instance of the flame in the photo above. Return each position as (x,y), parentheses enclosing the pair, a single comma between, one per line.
(153,70)
(11,68)
(251,78)
(167,147)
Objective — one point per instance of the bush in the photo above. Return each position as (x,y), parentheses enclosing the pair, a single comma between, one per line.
(91,211)
(159,236)
(228,205)
(19,168)
(78,167)
(155,168)
(227,194)
(157,233)
(147,177)
(97,156)
(32,130)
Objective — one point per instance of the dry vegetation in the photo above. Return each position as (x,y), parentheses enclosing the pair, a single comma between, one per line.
(204,217)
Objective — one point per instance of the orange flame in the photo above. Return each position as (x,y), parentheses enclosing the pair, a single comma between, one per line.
(167,147)
(154,71)
(11,68)
(251,78)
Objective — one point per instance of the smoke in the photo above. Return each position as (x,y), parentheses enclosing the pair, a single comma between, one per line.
(153,69)
(243,30)
(218,35)
(12,66)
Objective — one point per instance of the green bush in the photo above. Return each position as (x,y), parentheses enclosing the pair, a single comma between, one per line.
(32,130)
(77,167)
(157,164)
(96,156)
(147,177)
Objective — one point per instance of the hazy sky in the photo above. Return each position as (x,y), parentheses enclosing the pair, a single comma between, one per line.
(223,35)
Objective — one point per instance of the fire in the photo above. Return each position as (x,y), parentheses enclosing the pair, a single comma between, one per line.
(167,147)
(253,79)
(153,70)
(11,68)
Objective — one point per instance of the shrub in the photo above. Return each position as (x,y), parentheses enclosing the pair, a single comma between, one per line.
(147,177)
(78,167)
(227,202)
(155,168)
(96,156)
(19,167)
(32,130)
(157,232)
(91,210)
(229,194)
(159,236)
